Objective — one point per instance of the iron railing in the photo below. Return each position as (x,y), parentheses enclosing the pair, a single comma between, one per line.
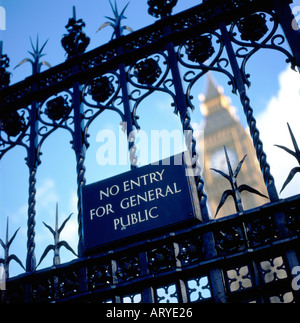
(248,256)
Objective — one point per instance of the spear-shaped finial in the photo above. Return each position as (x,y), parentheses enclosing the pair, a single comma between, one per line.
(116,21)
(57,244)
(295,154)
(74,12)
(36,53)
(7,257)
(236,190)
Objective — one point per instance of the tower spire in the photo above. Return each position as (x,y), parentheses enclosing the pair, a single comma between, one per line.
(212,90)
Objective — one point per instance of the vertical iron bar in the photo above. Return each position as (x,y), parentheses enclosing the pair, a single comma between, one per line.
(32,162)
(148,292)
(209,245)
(114,269)
(126,102)
(79,146)
(258,145)
(128,117)
(185,119)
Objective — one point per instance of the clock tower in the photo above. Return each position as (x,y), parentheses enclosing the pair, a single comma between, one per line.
(222,128)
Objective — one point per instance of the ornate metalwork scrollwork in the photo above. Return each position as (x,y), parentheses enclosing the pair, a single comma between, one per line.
(161,8)
(101,89)
(262,230)
(4,64)
(206,54)
(13,123)
(147,75)
(229,239)
(147,71)
(102,93)
(161,259)
(57,108)
(67,284)
(99,275)
(13,130)
(254,32)
(199,49)
(76,41)
(128,268)
(253,27)
(55,113)
(191,251)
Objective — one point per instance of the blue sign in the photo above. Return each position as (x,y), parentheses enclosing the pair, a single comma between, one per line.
(144,199)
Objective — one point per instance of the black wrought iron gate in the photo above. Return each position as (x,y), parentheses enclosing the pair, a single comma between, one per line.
(250,256)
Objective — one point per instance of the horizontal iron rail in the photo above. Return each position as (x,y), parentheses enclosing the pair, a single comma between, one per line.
(275,247)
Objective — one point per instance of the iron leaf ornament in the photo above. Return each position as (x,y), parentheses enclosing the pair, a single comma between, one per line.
(147,71)
(295,154)
(253,27)
(236,190)
(101,89)
(12,123)
(57,244)
(199,49)
(7,257)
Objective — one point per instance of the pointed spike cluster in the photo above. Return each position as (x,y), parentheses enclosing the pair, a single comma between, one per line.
(228,163)
(36,53)
(235,189)
(293,140)
(116,21)
(56,218)
(57,244)
(7,257)
(295,154)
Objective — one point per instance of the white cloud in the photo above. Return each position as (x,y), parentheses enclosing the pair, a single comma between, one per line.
(70,231)
(272,124)
(46,194)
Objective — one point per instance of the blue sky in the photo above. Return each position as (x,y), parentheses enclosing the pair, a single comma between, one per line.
(274,94)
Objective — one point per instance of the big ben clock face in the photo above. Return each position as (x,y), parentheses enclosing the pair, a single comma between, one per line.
(218,160)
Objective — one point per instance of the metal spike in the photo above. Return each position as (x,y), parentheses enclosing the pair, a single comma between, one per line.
(295,153)
(293,140)
(74,12)
(228,163)
(56,219)
(6,238)
(37,43)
